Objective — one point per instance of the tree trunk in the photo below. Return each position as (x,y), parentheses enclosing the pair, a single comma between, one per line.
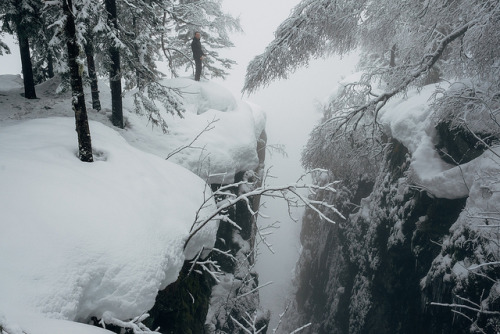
(94,88)
(78,100)
(50,64)
(24,48)
(115,74)
(392,62)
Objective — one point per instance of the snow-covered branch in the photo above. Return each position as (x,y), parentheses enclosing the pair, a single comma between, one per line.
(254,290)
(135,324)
(282,191)
(471,308)
(486,264)
(251,327)
(301,328)
(427,62)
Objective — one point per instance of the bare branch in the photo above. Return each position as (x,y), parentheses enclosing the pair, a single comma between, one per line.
(270,191)
(281,317)
(466,307)
(251,322)
(207,128)
(301,328)
(427,63)
(496,263)
(254,290)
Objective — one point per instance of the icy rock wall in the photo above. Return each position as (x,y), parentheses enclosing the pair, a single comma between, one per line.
(378,271)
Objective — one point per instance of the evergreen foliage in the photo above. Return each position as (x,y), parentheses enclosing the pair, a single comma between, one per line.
(22,19)
(120,39)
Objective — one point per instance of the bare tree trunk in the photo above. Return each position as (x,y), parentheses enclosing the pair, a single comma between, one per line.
(50,64)
(115,74)
(94,88)
(24,49)
(78,100)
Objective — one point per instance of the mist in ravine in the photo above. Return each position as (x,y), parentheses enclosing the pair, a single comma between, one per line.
(292,110)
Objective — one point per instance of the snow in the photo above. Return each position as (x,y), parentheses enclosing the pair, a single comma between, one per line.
(92,239)
(11,81)
(42,325)
(410,120)
(216,155)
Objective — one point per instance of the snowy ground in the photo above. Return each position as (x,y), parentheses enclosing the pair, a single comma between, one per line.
(100,239)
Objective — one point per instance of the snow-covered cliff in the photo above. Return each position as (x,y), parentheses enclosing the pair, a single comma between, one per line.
(419,250)
(98,241)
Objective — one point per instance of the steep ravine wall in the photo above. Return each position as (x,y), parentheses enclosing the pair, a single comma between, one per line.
(196,302)
(365,274)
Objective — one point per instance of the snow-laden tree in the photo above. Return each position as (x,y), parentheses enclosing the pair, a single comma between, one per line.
(139,33)
(145,32)
(69,31)
(182,19)
(122,39)
(75,69)
(22,19)
(403,44)
(415,35)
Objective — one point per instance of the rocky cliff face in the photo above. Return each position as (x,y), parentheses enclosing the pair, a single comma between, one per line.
(224,299)
(398,255)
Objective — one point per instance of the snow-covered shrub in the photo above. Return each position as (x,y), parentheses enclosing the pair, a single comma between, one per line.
(348,147)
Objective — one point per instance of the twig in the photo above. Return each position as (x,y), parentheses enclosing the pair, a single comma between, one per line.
(466,307)
(264,191)
(208,127)
(254,290)
(301,328)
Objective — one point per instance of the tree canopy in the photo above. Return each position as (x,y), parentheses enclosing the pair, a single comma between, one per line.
(402,44)
(410,33)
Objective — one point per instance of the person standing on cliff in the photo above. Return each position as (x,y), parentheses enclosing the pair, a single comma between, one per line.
(198,54)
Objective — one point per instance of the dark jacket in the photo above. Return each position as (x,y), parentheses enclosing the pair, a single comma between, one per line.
(196,47)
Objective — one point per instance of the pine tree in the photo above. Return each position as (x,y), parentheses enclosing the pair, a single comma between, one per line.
(78,100)
(21,18)
(91,11)
(92,71)
(182,20)
(115,75)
